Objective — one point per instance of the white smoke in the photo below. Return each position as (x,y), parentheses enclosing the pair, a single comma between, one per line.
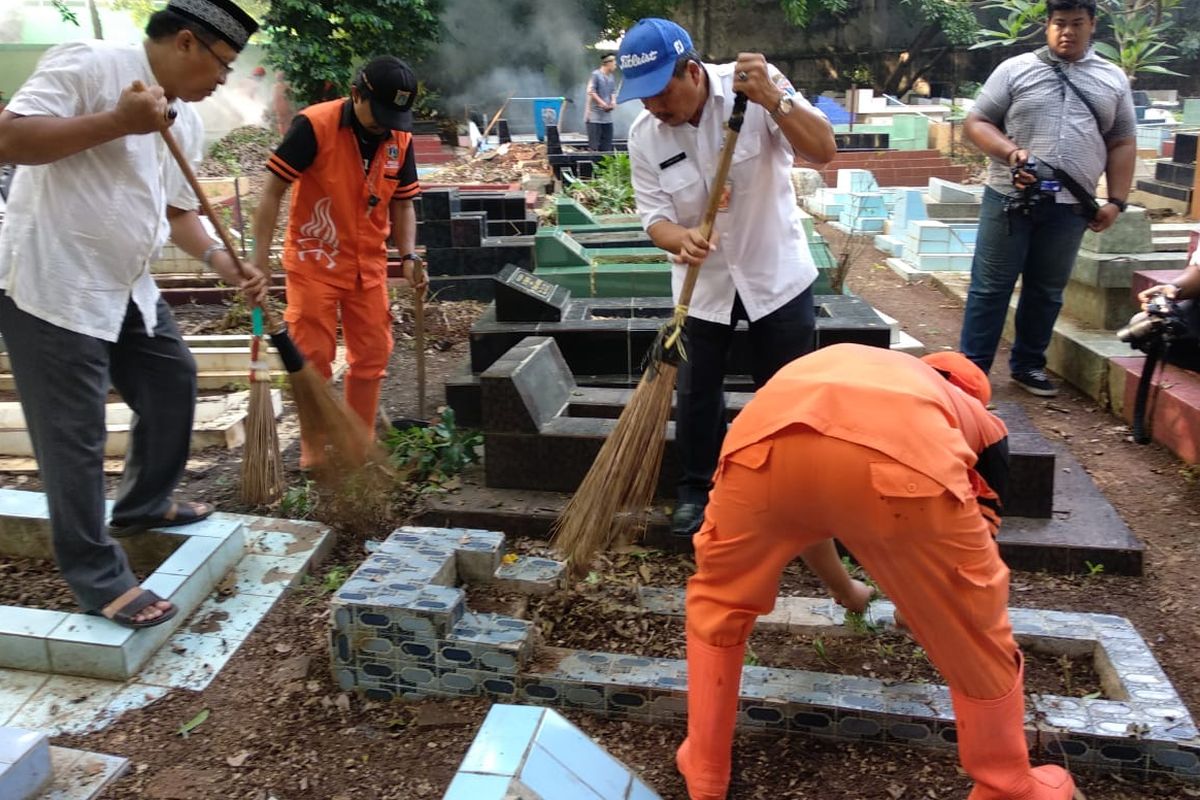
(524,49)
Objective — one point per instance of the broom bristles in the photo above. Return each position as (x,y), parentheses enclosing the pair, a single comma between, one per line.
(262,466)
(611,502)
(345,442)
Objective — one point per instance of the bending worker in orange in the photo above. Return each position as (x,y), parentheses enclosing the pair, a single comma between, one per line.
(899,460)
(352,164)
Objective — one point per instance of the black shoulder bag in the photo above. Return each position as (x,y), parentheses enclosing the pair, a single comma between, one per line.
(1085,198)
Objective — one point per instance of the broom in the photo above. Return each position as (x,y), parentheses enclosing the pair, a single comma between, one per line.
(343,438)
(610,504)
(419,334)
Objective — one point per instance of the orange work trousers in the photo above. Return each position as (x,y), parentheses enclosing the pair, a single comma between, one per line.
(314,309)
(931,553)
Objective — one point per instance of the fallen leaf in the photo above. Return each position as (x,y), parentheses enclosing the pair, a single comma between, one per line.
(193,723)
(283,648)
(644,571)
(239,759)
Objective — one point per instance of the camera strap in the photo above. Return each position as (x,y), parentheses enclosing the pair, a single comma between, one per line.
(1085,198)
(1043,54)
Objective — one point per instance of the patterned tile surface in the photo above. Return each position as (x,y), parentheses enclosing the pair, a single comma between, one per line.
(394,636)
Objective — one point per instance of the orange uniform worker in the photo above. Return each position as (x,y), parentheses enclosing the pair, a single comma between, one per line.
(352,164)
(893,456)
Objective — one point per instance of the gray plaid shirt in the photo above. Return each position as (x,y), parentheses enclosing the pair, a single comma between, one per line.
(1027,100)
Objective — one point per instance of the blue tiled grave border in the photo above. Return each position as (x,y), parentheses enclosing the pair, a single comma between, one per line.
(63,643)
(401,629)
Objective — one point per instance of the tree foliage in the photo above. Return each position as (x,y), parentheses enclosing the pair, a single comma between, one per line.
(1138,29)
(318,45)
(141,10)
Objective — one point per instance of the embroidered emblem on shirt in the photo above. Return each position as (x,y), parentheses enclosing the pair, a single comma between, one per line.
(318,237)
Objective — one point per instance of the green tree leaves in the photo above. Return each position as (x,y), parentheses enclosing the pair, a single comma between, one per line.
(319,45)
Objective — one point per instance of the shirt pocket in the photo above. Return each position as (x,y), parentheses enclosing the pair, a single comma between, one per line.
(894,480)
(682,182)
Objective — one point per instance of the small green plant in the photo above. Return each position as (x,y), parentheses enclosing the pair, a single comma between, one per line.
(334,578)
(1094,570)
(435,454)
(610,190)
(328,584)
(298,501)
(751,658)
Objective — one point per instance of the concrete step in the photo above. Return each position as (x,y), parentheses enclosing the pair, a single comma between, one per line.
(219,422)
(24,763)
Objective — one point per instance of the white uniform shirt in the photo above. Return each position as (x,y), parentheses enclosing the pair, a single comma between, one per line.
(762,253)
(80,233)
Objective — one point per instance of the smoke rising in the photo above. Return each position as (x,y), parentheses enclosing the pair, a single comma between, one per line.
(527,49)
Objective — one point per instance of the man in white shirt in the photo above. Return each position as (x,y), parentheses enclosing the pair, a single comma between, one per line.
(96,195)
(757,266)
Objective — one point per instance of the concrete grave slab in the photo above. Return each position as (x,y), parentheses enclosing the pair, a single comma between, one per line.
(523,749)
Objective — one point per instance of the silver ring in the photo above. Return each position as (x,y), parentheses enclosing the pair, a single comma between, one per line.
(742,76)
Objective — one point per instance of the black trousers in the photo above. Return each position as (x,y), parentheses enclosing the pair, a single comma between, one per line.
(775,340)
(63,379)
(600,137)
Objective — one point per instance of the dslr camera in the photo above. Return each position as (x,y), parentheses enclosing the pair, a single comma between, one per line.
(1163,320)
(1043,189)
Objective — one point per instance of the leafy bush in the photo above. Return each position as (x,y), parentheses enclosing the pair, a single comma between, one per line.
(610,191)
(436,454)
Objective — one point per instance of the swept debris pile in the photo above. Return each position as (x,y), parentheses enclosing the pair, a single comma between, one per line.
(505,164)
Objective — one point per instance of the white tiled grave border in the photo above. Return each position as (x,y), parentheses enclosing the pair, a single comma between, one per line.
(254,558)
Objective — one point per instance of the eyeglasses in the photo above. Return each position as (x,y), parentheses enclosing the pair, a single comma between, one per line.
(226,66)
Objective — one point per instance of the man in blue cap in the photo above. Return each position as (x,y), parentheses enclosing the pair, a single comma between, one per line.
(762,270)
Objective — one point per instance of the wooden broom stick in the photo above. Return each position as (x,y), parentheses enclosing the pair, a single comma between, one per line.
(495,117)
(611,501)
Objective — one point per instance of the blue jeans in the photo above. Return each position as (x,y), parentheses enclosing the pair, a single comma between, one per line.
(1041,249)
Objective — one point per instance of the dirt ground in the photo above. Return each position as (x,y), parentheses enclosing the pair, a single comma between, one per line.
(279,728)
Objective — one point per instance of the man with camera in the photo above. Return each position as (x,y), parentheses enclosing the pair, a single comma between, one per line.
(1052,122)
(1170,318)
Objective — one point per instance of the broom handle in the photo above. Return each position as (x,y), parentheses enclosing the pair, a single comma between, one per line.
(206,207)
(419,335)
(714,196)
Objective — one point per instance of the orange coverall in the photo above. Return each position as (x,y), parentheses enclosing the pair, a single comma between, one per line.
(878,450)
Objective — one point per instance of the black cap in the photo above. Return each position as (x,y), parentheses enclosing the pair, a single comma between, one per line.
(391,87)
(222,17)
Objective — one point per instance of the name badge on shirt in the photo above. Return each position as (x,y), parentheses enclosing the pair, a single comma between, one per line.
(673,160)
(726,196)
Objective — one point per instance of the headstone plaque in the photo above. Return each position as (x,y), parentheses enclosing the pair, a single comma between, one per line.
(522,296)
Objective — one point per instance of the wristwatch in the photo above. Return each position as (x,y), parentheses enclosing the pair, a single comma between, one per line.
(414,257)
(1120,204)
(784,107)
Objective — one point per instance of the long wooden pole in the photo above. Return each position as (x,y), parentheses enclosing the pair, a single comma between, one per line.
(495,117)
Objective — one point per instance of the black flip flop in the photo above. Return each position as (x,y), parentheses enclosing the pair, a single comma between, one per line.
(125,615)
(181,514)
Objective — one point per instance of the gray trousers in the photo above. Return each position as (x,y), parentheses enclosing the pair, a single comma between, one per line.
(63,380)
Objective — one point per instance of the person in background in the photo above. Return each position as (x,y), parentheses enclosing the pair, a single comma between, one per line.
(355,176)
(602,99)
(756,266)
(1027,114)
(96,196)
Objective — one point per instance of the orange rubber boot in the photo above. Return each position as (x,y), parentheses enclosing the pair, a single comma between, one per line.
(714,679)
(993,750)
(362,395)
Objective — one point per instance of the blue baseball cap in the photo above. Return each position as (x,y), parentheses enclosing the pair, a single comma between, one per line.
(647,57)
